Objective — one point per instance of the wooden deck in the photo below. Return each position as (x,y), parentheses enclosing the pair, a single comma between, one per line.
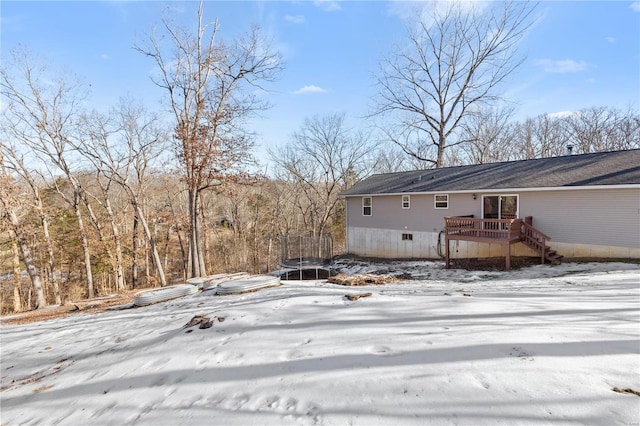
(498,231)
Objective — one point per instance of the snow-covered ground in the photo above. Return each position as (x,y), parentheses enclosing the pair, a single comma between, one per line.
(540,345)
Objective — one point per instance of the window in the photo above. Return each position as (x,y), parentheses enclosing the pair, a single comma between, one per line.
(406,201)
(499,207)
(366,206)
(407,237)
(441,201)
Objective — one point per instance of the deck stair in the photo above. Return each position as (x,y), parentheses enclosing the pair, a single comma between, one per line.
(536,240)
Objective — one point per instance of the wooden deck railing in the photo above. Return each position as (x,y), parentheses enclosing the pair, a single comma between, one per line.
(466,228)
(498,231)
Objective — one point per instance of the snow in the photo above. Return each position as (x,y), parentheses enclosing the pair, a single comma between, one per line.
(539,345)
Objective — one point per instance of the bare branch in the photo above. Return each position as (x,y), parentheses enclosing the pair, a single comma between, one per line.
(453,63)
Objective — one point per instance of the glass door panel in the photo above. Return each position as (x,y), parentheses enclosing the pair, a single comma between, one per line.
(508,206)
(491,210)
(499,207)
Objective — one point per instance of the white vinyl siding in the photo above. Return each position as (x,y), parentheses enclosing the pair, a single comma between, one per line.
(600,217)
(421,217)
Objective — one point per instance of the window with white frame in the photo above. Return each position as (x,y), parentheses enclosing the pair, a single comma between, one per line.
(441,201)
(406,201)
(367,204)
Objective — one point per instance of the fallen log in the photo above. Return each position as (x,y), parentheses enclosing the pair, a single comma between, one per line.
(354,297)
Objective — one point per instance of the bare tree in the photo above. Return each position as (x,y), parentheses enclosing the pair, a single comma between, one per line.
(489,136)
(16,163)
(206,81)
(540,137)
(391,159)
(10,203)
(600,129)
(123,149)
(455,58)
(323,158)
(594,129)
(104,200)
(174,200)
(41,113)
(628,130)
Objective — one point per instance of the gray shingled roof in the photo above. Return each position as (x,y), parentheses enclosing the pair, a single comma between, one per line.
(604,168)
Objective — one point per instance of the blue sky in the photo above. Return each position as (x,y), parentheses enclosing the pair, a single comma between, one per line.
(578,55)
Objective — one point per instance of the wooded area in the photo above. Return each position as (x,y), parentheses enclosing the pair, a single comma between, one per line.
(95,202)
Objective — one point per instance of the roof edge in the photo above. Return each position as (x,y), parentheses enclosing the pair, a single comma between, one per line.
(525,189)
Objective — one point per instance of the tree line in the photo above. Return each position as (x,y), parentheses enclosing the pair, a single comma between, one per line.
(97,202)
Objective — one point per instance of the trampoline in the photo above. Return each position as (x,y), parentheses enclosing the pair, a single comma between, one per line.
(305,257)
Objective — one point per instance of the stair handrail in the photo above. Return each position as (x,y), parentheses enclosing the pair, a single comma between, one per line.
(526,237)
(531,228)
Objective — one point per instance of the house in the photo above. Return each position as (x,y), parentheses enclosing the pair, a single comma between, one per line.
(576,206)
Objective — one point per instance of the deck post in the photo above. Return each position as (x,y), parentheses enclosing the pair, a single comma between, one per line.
(446,241)
(508,259)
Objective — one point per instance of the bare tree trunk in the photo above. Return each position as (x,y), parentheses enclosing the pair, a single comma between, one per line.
(442,143)
(17,280)
(154,249)
(27,259)
(50,258)
(183,252)
(166,248)
(134,253)
(269,249)
(196,258)
(85,244)
(147,260)
(204,236)
(120,283)
(99,228)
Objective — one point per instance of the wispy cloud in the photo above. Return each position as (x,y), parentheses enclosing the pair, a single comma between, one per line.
(635,6)
(590,80)
(408,10)
(562,66)
(105,56)
(403,9)
(328,5)
(610,39)
(297,19)
(561,114)
(308,89)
